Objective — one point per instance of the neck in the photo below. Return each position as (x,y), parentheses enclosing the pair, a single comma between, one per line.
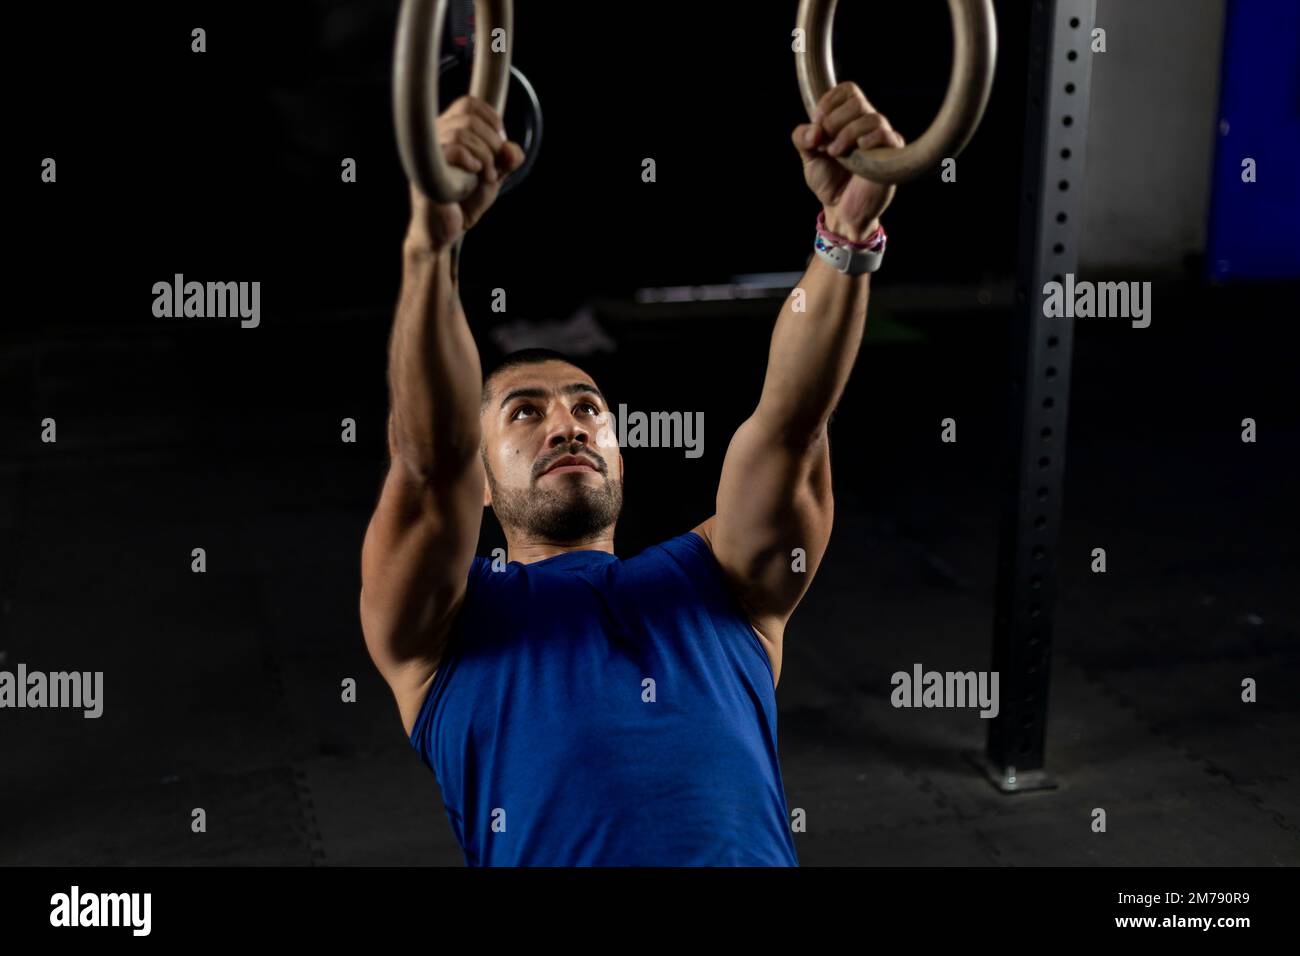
(526,550)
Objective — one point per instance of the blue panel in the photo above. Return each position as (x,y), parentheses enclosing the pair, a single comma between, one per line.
(1254,227)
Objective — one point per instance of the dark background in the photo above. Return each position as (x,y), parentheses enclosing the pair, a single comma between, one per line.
(223,688)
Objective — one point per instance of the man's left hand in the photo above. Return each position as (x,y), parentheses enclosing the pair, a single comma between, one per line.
(845,121)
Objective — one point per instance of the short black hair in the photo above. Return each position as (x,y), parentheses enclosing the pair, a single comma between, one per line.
(518,358)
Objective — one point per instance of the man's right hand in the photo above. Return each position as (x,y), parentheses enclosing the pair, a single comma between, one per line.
(472,138)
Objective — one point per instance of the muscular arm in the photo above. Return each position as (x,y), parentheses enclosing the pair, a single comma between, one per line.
(775,491)
(420,543)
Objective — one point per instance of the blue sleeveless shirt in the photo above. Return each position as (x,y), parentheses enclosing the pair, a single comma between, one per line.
(590,711)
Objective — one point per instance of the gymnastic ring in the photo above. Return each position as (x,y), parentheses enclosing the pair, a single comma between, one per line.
(974,55)
(415,89)
(532,143)
(532,138)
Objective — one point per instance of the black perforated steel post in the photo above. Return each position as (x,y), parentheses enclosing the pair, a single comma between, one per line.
(1060,70)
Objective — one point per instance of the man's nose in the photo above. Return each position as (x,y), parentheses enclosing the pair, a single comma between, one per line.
(568,431)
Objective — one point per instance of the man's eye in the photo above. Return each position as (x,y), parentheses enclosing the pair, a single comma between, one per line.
(589,407)
(522,409)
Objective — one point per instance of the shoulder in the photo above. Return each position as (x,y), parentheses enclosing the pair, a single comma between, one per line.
(489,576)
(694,552)
(691,549)
(705,530)
(415,699)
(483,569)
(770,631)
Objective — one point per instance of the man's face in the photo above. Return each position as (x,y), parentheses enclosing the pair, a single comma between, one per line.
(554,469)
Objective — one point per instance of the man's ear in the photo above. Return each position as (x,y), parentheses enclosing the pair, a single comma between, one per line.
(620,464)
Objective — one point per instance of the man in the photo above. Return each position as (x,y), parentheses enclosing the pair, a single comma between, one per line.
(579,709)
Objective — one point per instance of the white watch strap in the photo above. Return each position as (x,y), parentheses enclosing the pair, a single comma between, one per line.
(853,262)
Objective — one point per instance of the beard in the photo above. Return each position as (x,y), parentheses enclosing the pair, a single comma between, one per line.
(575,511)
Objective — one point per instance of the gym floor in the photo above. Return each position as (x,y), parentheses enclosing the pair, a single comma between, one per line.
(223,689)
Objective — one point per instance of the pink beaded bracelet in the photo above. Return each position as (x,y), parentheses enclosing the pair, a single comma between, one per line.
(875,242)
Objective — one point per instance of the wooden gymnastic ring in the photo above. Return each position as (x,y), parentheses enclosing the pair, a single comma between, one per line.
(415,88)
(975,51)
(531,140)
